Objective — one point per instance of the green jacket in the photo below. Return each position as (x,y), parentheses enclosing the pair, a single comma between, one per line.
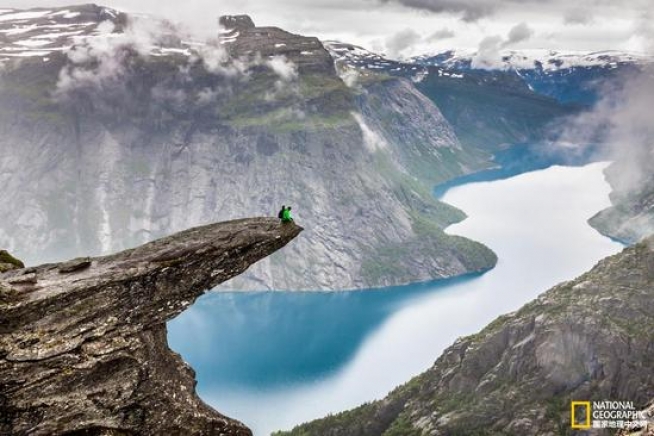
(286,215)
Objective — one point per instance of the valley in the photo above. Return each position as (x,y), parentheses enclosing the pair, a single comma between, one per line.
(471,248)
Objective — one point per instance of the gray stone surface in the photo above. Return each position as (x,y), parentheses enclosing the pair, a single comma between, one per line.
(244,39)
(86,352)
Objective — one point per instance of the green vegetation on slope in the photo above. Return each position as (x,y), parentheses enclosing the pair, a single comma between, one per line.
(393,262)
(312,101)
(588,339)
(9,261)
(490,112)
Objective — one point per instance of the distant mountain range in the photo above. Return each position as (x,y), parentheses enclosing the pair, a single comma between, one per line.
(547,60)
(488,109)
(568,76)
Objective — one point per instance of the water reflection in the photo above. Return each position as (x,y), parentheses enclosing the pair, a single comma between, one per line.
(267,339)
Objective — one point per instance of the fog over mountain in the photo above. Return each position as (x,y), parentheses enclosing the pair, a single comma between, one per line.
(622,123)
(379,24)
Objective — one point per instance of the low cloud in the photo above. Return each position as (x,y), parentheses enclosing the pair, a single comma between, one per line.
(470,10)
(371,139)
(441,34)
(400,42)
(284,68)
(216,60)
(578,16)
(404,43)
(350,76)
(489,54)
(287,72)
(100,59)
(518,33)
(622,122)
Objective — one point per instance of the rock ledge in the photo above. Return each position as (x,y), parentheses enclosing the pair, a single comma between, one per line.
(83,347)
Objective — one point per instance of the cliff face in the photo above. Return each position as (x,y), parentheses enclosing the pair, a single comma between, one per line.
(493,109)
(104,149)
(631,217)
(243,39)
(587,339)
(487,110)
(400,115)
(83,348)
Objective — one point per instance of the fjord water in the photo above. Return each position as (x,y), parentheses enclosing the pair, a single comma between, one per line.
(276,359)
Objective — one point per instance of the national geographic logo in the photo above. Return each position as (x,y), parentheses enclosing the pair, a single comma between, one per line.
(580,415)
(585,415)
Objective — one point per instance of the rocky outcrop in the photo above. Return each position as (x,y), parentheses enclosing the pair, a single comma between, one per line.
(83,348)
(9,262)
(642,430)
(243,39)
(587,339)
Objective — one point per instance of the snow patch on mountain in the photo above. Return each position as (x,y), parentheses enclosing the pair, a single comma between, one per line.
(355,63)
(547,60)
(21,16)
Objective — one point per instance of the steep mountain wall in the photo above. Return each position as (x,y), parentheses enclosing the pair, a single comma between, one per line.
(117,142)
(487,109)
(493,109)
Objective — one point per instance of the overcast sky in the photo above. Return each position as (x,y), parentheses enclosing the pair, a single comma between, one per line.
(408,27)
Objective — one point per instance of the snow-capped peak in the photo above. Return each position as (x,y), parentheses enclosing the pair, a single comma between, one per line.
(547,60)
(43,31)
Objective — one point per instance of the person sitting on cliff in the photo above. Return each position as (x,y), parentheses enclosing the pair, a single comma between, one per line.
(280,215)
(286,215)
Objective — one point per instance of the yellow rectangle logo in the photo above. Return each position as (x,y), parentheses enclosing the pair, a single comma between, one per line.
(574,423)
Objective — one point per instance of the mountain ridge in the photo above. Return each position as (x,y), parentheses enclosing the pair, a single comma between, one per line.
(136,132)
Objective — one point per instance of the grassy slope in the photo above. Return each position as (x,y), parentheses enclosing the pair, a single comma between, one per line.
(385,262)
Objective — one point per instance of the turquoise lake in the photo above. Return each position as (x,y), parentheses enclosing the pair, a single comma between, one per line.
(276,359)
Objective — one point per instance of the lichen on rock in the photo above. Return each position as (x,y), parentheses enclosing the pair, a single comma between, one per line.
(9,262)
